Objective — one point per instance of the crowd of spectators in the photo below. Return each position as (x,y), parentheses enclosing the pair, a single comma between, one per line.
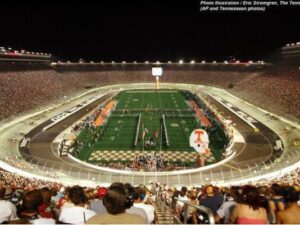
(249,204)
(277,89)
(147,162)
(49,203)
(24,200)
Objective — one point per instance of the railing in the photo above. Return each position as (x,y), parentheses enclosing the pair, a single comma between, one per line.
(202,209)
(247,171)
(163,203)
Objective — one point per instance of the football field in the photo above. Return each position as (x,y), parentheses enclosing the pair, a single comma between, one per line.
(144,121)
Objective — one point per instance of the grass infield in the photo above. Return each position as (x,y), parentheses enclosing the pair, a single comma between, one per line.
(120,130)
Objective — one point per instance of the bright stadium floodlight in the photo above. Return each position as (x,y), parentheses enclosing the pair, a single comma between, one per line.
(192,62)
(180,61)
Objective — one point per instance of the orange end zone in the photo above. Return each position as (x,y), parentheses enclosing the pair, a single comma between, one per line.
(200,114)
(104,113)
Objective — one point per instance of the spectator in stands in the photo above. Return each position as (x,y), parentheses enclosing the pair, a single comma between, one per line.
(191,211)
(64,201)
(97,204)
(211,198)
(116,202)
(181,196)
(223,213)
(29,209)
(251,209)
(291,215)
(276,202)
(138,203)
(78,214)
(8,211)
(89,193)
(133,209)
(57,194)
(45,209)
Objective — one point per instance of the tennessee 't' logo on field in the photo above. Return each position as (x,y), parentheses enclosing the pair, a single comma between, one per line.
(199,141)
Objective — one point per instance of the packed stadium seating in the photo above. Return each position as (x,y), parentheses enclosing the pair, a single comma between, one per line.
(26,88)
(30,200)
(23,90)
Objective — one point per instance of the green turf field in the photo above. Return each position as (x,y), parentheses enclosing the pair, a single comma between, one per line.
(138,119)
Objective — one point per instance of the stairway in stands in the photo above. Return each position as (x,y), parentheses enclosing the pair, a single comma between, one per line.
(163,213)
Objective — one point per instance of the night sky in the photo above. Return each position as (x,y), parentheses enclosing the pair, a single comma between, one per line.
(143,30)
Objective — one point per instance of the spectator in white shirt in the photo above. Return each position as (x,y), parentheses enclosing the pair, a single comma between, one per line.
(223,213)
(78,214)
(8,211)
(182,196)
(138,203)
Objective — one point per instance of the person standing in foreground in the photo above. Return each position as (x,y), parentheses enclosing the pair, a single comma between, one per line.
(116,202)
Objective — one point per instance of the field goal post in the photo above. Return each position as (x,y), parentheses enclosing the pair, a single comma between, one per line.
(157,72)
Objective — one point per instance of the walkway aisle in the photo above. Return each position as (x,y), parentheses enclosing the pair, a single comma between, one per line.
(163,213)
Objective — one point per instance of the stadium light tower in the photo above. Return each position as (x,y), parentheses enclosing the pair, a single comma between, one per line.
(157,72)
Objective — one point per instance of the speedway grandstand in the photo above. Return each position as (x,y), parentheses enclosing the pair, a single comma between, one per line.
(32,94)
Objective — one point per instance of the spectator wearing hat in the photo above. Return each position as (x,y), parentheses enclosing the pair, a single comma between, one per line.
(97,204)
(8,211)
